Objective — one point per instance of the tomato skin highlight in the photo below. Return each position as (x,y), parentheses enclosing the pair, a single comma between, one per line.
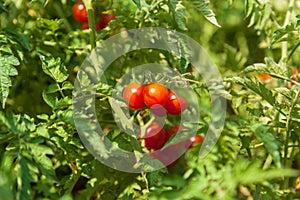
(175,104)
(197,139)
(79,12)
(154,136)
(133,94)
(155,93)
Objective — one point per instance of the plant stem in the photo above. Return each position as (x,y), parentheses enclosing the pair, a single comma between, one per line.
(284,47)
(287,137)
(91,19)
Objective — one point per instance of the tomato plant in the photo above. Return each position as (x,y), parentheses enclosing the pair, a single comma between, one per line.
(253,44)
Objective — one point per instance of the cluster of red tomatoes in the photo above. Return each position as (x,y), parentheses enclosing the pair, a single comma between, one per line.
(161,101)
(80,14)
(156,96)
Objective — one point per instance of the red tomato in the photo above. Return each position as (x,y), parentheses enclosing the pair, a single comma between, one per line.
(155,93)
(86,26)
(79,12)
(175,104)
(105,19)
(195,140)
(170,155)
(173,130)
(154,136)
(133,94)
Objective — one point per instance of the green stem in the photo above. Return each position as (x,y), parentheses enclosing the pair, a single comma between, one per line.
(91,19)
(287,137)
(284,47)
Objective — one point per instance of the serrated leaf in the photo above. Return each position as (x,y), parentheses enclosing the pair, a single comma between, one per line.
(251,172)
(52,25)
(270,142)
(278,34)
(178,11)
(7,69)
(44,163)
(54,68)
(26,176)
(202,6)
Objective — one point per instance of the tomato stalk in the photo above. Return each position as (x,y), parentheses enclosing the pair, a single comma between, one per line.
(284,47)
(90,10)
(287,138)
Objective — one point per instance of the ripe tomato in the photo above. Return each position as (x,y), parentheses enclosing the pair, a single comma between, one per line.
(155,93)
(105,19)
(86,26)
(195,140)
(133,94)
(173,130)
(79,12)
(154,136)
(175,104)
(170,155)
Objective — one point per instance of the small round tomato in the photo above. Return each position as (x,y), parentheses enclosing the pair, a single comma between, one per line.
(175,104)
(173,130)
(133,94)
(171,154)
(85,26)
(195,140)
(105,19)
(155,93)
(154,136)
(79,12)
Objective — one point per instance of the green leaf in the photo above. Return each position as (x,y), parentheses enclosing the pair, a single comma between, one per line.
(202,6)
(249,7)
(140,3)
(52,25)
(270,142)
(251,172)
(54,68)
(178,11)
(49,99)
(23,40)
(7,69)
(25,177)
(39,153)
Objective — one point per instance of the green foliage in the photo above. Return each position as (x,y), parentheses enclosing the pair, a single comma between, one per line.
(42,48)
